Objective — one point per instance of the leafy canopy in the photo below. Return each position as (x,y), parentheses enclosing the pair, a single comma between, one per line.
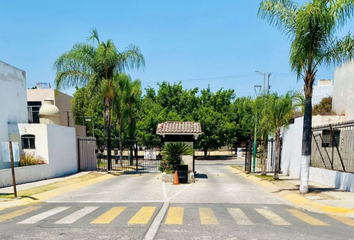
(311,28)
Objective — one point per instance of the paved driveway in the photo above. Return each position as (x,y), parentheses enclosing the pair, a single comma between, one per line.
(220,205)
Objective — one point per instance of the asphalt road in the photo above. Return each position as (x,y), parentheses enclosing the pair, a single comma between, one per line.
(220,205)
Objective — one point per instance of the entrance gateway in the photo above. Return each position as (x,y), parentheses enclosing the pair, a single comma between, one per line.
(145,157)
(187,132)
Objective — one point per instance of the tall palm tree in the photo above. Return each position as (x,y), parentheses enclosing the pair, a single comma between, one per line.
(97,64)
(278,114)
(311,28)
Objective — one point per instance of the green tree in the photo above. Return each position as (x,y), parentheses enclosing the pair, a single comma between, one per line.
(132,100)
(149,116)
(213,113)
(255,124)
(97,64)
(278,114)
(311,28)
(83,105)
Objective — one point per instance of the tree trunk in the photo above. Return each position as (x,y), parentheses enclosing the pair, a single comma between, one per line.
(249,156)
(107,113)
(131,154)
(120,142)
(264,162)
(306,143)
(277,154)
(205,152)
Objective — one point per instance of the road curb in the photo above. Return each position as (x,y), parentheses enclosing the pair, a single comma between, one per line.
(55,192)
(295,199)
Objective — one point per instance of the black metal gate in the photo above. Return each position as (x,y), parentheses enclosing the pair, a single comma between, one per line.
(134,158)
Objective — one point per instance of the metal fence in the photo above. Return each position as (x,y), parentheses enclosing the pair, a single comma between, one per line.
(257,165)
(136,158)
(333,147)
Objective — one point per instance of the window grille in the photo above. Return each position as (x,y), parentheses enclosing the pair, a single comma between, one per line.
(327,141)
(28,141)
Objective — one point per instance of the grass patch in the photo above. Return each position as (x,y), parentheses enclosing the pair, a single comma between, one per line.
(36,190)
(29,159)
(240,168)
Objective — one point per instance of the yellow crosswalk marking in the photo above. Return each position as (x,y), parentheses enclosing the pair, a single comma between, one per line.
(344,220)
(307,218)
(272,217)
(108,216)
(142,216)
(207,216)
(17,213)
(175,215)
(239,216)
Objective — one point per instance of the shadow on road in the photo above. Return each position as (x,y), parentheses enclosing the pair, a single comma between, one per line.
(201,175)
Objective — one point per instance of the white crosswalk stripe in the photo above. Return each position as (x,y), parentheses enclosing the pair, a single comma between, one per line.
(272,217)
(175,215)
(76,215)
(43,216)
(239,216)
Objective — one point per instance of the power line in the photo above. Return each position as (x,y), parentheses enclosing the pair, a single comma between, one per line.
(210,78)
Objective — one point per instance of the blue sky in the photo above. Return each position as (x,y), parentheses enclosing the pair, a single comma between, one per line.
(201,42)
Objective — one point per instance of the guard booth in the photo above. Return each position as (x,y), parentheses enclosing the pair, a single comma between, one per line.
(187,132)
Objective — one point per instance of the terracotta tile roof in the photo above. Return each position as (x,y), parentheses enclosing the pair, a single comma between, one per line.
(179,127)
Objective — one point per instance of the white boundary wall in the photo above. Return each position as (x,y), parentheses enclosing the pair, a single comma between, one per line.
(291,156)
(56,144)
(13,104)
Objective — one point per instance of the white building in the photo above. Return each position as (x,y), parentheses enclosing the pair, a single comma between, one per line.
(13,100)
(323,89)
(343,92)
(55,144)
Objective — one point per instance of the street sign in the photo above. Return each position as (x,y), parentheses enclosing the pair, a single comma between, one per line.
(5,149)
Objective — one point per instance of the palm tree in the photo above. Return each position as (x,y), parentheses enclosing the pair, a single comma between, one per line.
(253,115)
(86,63)
(311,28)
(278,114)
(264,128)
(174,151)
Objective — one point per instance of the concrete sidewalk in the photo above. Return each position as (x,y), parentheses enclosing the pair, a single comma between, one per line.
(320,193)
(24,186)
(43,196)
(319,199)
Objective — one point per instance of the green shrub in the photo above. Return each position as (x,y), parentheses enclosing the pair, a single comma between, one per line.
(172,153)
(324,107)
(29,159)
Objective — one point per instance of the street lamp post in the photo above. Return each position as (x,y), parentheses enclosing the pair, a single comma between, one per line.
(255,131)
(264,82)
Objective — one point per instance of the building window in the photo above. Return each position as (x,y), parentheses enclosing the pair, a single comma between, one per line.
(327,141)
(33,111)
(28,141)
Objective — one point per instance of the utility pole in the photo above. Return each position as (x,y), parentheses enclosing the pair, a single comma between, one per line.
(264,82)
(268,83)
(255,133)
